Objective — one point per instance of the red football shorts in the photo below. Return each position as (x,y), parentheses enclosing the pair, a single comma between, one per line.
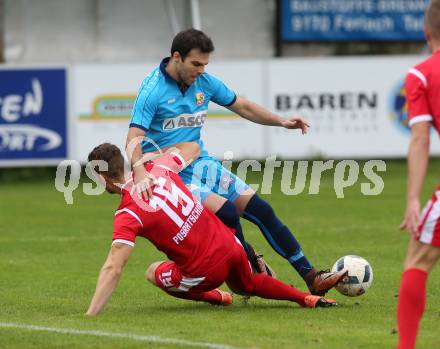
(430,221)
(235,271)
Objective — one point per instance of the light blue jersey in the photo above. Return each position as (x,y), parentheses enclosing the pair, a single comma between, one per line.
(170,116)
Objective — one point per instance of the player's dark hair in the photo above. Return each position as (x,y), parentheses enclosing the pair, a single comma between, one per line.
(432,18)
(112,155)
(190,39)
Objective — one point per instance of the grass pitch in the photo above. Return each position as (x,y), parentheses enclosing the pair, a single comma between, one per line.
(51,253)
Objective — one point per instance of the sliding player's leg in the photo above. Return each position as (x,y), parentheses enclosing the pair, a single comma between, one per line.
(167,276)
(284,242)
(241,280)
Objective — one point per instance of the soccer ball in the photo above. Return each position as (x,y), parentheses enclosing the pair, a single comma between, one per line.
(360,275)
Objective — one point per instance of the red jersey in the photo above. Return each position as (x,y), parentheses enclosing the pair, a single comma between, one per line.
(422,87)
(173,220)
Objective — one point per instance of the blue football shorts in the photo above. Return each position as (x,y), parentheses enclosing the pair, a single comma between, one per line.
(206,175)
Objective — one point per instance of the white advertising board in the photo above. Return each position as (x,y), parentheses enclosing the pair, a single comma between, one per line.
(103,96)
(356,107)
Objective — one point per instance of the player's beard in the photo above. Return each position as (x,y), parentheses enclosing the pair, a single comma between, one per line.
(184,78)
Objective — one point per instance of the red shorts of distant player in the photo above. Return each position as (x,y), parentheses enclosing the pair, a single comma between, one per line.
(235,271)
(429,230)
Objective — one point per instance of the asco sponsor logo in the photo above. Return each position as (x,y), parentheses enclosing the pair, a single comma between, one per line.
(398,107)
(185,120)
(33,114)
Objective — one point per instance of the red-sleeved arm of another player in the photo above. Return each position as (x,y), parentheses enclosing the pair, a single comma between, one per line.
(170,161)
(417,99)
(126,227)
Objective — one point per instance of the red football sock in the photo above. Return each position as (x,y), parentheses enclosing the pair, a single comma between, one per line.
(412,299)
(212,297)
(266,286)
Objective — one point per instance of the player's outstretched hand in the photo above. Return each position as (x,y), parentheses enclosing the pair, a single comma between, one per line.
(411,221)
(296,122)
(143,182)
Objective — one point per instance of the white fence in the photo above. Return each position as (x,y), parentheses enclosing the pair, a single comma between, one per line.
(356,108)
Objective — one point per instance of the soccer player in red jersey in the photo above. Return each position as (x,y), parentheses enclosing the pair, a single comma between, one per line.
(423,97)
(203,252)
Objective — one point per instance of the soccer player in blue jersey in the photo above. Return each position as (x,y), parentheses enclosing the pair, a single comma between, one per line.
(171,107)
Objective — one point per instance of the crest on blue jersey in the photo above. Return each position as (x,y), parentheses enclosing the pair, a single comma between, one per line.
(200,98)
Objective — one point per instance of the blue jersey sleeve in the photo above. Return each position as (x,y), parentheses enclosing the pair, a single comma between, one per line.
(145,106)
(220,93)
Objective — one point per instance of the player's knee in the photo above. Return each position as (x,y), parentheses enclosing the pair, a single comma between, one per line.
(420,262)
(229,214)
(242,290)
(248,289)
(422,257)
(270,212)
(262,206)
(150,273)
